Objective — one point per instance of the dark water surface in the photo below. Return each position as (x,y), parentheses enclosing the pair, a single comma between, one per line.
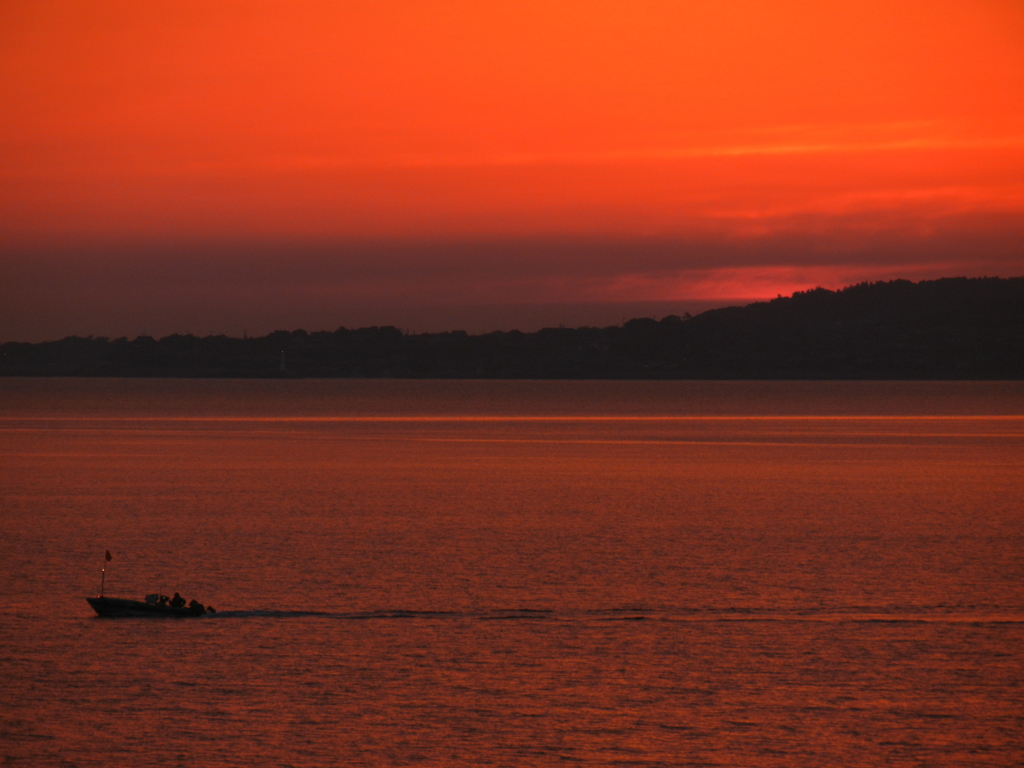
(514,573)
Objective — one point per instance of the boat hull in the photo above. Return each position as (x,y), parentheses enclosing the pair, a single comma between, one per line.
(117,607)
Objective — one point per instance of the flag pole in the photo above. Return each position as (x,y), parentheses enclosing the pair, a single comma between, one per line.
(103,573)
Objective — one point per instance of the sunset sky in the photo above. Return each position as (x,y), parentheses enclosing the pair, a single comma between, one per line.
(214,167)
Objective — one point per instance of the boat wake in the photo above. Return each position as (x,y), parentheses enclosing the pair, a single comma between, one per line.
(631,615)
(517,613)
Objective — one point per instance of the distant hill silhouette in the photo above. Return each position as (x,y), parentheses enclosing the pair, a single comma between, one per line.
(953,328)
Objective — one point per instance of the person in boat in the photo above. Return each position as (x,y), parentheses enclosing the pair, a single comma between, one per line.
(177,601)
(196,607)
(162,600)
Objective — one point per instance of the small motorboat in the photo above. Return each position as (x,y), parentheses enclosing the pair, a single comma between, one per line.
(151,605)
(118,607)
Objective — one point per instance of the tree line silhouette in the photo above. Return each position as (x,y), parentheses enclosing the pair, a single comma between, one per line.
(953,328)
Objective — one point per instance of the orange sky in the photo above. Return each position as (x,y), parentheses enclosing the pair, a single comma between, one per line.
(571,151)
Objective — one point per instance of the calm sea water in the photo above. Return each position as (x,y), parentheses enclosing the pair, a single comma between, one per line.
(514,573)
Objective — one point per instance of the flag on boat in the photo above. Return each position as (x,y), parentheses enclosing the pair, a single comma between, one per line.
(109,556)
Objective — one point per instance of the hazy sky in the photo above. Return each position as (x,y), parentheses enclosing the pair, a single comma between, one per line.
(218,166)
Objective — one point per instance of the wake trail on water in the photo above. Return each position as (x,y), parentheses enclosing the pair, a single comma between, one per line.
(634,614)
(523,613)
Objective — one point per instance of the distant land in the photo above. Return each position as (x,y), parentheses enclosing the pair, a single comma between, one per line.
(952,328)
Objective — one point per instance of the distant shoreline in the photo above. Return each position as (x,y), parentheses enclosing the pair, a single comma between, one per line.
(947,329)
